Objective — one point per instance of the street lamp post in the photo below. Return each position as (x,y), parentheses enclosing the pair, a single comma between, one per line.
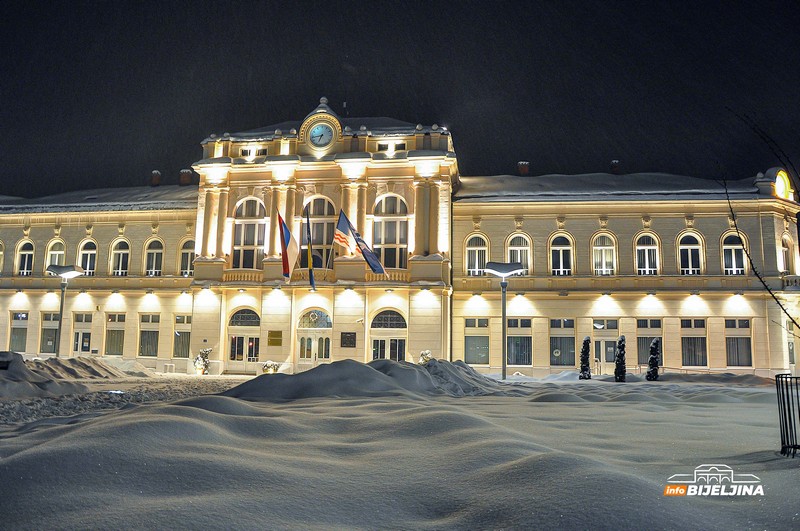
(504,270)
(66,272)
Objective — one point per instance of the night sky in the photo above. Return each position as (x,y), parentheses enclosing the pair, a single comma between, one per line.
(100,94)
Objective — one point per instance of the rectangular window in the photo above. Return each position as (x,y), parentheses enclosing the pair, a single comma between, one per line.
(148,343)
(83,318)
(181,346)
(244,152)
(261,152)
(476,350)
(519,350)
(116,318)
(524,323)
(151,318)
(738,351)
(115,340)
(469,323)
(694,351)
(19,337)
(562,351)
(275,338)
(513,323)
(643,347)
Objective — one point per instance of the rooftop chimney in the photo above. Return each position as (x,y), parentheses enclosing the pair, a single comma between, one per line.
(155,178)
(615,167)
(523,167)
(185,177)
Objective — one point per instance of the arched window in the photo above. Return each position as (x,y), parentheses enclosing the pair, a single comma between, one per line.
(154,259)
(389,319)
(733,255)
(245,318)
(187,259)
(519,251)
(55,254)
(315,319)
(646,255)
(477,255)
(322,216)
(787,254)
(603,255)
(390,232)
(689,252)
(120,256)
(248,234)
(561,256)
(87,258)
(25,260)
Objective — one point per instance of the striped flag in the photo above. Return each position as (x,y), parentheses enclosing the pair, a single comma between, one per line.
(289,249)
(310,255)
(343,236)
(348,232)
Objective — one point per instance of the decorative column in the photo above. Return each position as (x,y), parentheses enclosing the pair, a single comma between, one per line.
(273,221)
(361,223)
(290,207)
(433,217)
(421,217)
(222,215)
(208,211)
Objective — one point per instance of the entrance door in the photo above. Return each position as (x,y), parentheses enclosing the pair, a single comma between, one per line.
(244,348)
(313,348)
(82,343)
(604,354)
(393,349)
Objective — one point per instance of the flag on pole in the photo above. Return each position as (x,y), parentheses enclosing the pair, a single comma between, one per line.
(348,231)
(310,255)
(289,249)
(343,236)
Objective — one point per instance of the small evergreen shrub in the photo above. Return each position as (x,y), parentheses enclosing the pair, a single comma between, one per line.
(619,361)
(652,362)
(586,373)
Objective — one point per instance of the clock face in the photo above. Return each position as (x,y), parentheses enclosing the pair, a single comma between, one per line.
(321,135)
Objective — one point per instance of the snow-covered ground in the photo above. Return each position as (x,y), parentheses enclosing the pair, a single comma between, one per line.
(387,446)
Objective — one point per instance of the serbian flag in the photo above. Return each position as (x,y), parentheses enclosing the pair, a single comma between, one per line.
(362,248)
(343,236)
(310,255)
(289,249)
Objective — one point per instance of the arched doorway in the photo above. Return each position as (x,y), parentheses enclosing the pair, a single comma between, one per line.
(244,330)
(314,339)
(389,332)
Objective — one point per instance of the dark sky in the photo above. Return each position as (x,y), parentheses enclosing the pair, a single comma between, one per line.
(100,94)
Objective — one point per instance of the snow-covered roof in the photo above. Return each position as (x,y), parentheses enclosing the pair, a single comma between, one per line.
(598,187)
(109,199)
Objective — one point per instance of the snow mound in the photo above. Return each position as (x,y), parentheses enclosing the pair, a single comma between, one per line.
(17,380)
(74,368)
(349,378)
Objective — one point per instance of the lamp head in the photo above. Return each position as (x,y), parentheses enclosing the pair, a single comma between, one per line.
(504,269)
(65,271)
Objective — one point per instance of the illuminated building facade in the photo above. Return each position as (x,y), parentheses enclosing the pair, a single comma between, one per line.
(172,270)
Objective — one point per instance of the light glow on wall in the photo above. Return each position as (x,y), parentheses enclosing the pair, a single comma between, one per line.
(353,170)
(605,305)
(116,302)
(215,174)
(694,305)
(650,306)
(425,299)
(737,305)
(476,305)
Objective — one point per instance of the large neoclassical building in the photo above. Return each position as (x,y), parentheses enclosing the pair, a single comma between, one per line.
(172,270)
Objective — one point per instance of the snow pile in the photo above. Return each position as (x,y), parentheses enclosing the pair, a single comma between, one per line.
(18,381)
(74,368)
(349,378)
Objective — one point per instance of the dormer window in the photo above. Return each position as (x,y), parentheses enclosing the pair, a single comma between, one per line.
(245,152)
(391,147)
(783,187)
(261,152)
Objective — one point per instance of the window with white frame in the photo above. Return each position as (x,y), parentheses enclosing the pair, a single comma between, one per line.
(693,343)
(476,341)
(182,337)
(738,347)
(55,254)
(154,259)
(787,253)
(321,214)
(390,232)
(477,255)
(689,252)
(87,258)
(248,234)
(25,260)
(603,255)
(519,251)
(120,257)
(561,256)
(48,333)
(187,259)
(733,255)
(646,255)
(562,342)
(791,338)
